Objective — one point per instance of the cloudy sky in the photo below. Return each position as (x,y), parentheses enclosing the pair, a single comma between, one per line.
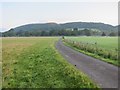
(19,13)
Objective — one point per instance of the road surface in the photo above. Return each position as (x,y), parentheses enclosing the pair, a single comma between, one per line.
(102,73)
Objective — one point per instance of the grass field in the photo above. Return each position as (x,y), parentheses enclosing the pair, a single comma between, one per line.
(109,43)
(35,63)
(103,48)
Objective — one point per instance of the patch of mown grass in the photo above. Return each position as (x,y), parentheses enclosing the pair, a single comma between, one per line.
(39,65)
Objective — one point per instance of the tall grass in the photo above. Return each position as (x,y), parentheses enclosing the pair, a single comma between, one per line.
(109,55)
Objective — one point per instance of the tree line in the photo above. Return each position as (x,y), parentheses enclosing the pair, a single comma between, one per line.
(74,32)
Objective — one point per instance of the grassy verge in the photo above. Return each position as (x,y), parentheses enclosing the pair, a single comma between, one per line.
(114,62)
(35,63)
(0,63)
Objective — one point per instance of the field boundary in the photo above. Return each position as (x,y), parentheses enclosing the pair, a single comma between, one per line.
(92,55)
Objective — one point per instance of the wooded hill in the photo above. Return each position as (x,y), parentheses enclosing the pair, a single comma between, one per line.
(54,29)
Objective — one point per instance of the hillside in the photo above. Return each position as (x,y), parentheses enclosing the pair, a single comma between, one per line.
(47,27)
(90,25)
(38,27)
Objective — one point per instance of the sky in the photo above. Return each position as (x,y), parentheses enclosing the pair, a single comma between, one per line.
(14,14)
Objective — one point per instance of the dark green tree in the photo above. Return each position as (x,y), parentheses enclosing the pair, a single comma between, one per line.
(87,32)
(103,34)
(112,34)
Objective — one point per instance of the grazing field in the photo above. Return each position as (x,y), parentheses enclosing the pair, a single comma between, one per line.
(35,63)
(104,48)
(109,43)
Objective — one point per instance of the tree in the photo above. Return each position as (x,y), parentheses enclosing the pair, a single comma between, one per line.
(44,33)
(75,29)
(87,32)
(118,33)
(103,34)
(112,34)
(27,33)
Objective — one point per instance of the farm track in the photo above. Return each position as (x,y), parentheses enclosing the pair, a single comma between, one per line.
(102,73)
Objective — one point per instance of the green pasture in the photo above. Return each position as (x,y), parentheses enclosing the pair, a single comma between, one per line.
(109,43)
(34,62)
(103,48)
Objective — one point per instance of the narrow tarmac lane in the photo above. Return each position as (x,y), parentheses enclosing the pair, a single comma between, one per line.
(102,73)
